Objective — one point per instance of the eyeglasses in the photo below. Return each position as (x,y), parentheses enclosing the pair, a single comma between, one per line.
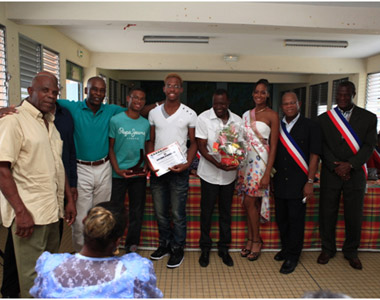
(136,98)
(169,86)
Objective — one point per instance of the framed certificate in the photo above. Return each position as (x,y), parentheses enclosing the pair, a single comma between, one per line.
(166,157)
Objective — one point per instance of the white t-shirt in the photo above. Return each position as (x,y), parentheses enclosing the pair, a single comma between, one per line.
(208,126)
(169,129)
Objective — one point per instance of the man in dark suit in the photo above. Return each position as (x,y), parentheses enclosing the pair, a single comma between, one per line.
(343,171)
(293,181)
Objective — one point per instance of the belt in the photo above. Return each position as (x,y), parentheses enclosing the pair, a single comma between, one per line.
(93,163)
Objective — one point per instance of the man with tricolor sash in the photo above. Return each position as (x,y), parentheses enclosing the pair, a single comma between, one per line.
(296,164)
(348,140)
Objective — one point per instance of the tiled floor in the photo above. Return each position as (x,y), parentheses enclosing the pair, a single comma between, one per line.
(258,279)
(261,278)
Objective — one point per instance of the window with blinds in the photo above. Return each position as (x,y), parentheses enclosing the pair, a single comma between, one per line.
(112,91)
(3,70)
(33,59)
(50,62)
(373,96)
(334,89)
(301,95)
(123,95)
(30,63)
(318,99)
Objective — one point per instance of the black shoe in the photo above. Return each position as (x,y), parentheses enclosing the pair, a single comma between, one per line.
(355,262)
(324,258)
(227,260)
(176,258)
(280,256)
(161,252)
(204,259)
(288,266)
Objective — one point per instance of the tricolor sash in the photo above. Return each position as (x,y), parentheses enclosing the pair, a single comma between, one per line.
(347,132)
(293,149)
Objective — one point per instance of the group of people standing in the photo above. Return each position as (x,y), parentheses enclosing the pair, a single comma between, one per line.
(268,155)
(111,143)
(289,151)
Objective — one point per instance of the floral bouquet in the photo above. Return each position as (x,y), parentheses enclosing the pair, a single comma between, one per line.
(230,145)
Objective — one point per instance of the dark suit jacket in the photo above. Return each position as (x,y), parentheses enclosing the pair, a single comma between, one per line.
(65,126)
(335,148)
(289,179)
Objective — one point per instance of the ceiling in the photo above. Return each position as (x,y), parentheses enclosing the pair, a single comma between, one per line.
(239,28)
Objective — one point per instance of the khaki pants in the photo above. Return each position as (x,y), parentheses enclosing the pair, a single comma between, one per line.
(28,250)
(94,186)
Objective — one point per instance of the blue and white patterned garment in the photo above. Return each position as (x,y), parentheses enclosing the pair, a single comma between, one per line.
(77,276)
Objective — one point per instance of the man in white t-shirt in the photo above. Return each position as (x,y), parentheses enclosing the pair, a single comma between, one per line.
(217,179)
(172,122)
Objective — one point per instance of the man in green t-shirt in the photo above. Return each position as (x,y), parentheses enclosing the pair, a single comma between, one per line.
(128,134)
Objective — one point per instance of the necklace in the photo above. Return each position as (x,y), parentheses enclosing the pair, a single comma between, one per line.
(262,109)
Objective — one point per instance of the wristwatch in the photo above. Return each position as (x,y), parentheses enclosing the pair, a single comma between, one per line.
(310,180)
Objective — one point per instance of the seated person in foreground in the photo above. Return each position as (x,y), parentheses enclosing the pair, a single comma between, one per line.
(96,272)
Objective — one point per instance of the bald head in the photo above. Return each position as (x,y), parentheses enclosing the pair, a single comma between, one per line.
(290,105)
(43,92)
(46,73)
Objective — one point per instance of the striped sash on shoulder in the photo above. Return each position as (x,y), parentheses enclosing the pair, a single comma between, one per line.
(347,132)
(293,149)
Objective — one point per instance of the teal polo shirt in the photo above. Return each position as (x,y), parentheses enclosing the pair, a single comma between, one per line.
(91,131)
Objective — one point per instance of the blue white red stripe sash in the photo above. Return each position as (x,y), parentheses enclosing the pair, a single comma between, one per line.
(346,131)
(294,150)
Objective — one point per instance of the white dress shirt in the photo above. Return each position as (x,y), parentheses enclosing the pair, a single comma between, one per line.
(290,125)
(208,127)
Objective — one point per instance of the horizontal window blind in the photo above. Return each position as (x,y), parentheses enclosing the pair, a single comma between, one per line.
(123,94)
(373,96)
(33,59)
(51,63)
(301,95)
(318,99)
(112,91)
(30,62)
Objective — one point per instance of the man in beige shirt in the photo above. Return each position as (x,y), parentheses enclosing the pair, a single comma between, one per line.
(32,178)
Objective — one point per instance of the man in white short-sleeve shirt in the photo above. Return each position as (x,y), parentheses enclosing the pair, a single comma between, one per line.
(217,179)
(172,122)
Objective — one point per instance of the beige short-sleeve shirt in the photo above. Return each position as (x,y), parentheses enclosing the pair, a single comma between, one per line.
(35,154)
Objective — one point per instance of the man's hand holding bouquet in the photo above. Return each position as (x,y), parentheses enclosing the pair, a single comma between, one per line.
(230,145)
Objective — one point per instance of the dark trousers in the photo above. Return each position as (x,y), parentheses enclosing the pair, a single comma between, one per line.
(137,195)
(10,287)
(353,215)
(290,218)
(209,195)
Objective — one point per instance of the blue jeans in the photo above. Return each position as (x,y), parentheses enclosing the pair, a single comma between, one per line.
(170,191)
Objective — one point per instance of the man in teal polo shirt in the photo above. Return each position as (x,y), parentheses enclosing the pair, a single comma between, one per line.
(91,125)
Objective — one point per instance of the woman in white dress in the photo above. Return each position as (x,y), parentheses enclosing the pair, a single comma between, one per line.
(262,131)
